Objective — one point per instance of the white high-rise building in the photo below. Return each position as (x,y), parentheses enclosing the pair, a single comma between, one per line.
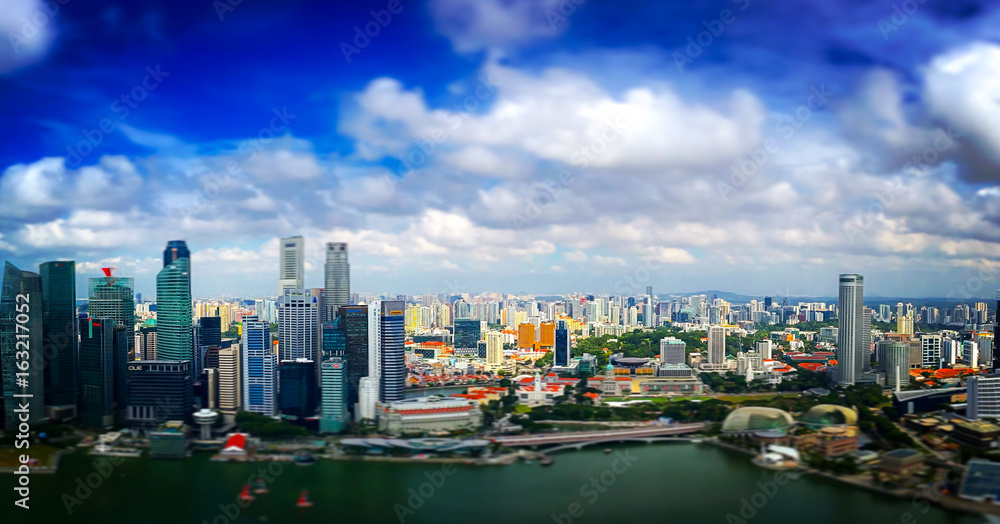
(291,264)
(298,325)
(970,353)
(230,387)
(765,348)
(930,351)
(896,356)
(850,329)
(983,397)
(337,280)
(716,345)
(367,398)
(494,350)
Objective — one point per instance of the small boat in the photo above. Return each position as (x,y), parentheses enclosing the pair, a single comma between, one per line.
(545,461)
(259,486)
(245,493)
(303,501)
(304,459)
(607,451)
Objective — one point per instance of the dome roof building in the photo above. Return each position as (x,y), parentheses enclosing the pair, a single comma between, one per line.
(756,418)
(827,415)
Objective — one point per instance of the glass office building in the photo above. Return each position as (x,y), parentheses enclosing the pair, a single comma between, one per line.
(467,333)
(333,376)
(158,391)
(20,325)
(60,337)
(174,330)
(298,392)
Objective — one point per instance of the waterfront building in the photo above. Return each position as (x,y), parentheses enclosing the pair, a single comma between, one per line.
(158,391)
(258,366)
(21,324)
(333,415)
(169,441)
(419,416)
(298,391)
(60,338)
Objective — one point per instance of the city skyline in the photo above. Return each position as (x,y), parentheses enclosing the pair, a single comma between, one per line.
(693,148)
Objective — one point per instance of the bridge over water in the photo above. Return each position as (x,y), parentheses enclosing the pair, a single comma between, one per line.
(583,438)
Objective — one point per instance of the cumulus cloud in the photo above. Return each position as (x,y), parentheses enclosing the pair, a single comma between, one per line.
(474,25)
(29,29)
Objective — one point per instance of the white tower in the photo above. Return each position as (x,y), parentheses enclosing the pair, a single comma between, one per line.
(205,418)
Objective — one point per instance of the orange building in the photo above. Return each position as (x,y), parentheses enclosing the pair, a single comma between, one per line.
(547,334)
(526,336)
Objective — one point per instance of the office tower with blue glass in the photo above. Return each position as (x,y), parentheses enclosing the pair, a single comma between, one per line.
(298,391)
(562,347)
(60,338)
(467,333)
(114,298)
(259,366)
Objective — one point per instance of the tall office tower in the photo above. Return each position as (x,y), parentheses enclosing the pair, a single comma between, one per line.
(333,405)
(97,372)
(896,356)
(291,265)
(466,333)
(174,330)
(716,345)
(546,334)
(158,391)
(865,351)
(672,351)
(113,297)
(387,348)
(930,351)
(176,249)
(21,312)
(525,336)
(354,322)
(230,382)
(850,336)
(983,395)
(985,341)
(60,338)
(210,332)
(298,391)
(561,349)
(647,310)
(259,366)
(336,280)
(120,359)
(905,326)
(494,350)
(298,324)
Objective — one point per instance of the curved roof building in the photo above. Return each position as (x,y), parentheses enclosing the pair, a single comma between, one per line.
(826,415)
(756,418)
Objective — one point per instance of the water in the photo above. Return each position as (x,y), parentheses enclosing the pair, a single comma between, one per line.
(443,391)
(663,483)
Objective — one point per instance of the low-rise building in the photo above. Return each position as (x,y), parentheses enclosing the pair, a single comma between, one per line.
(901,461)
(169,441)
(418,416)
(978,434)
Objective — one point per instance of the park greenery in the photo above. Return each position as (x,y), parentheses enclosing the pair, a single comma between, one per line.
(266,427)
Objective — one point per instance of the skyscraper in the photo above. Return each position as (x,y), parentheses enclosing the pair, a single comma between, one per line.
(354,321)
(716,345)
(298,393)
(562,345)
(336,280)
(896,354)
(97,375)
(850,336)
(298,324)
(174,330)
(494,350)
(466,333)
(333,416)
(291,265)
(21,332)
(259,366)
(673,351)
(387,348)
(113,297)
(996,333)
(230,382)
(865,351)
(158,391)
(60,338)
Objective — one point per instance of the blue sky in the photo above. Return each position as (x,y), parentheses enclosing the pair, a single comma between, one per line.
(518,146)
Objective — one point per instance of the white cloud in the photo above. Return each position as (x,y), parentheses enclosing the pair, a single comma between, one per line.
(473,25)
(28,29)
